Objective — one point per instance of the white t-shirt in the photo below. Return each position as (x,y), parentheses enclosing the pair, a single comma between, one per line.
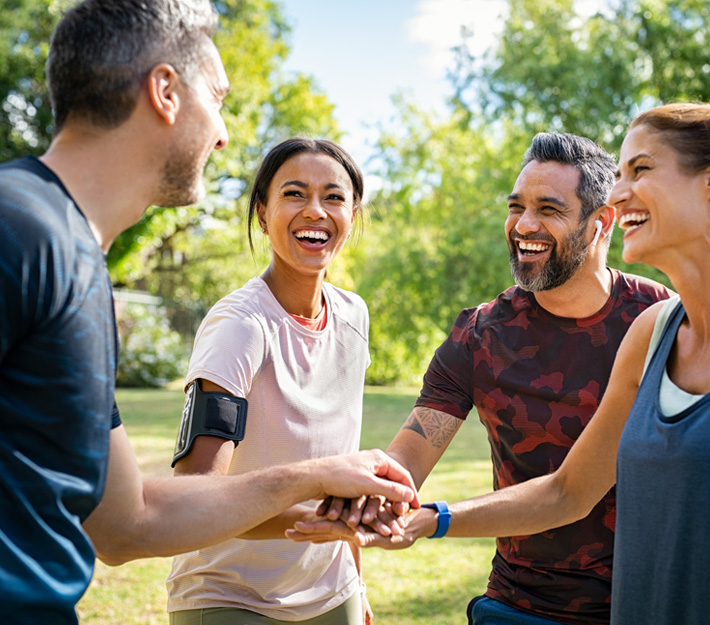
(304,389)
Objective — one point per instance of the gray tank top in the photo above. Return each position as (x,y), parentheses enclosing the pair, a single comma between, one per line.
(661,566)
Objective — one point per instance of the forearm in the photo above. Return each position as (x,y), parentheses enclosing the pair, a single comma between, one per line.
(275,527)
(180,514)
(422,440)
(407,456)
(528,508)
(163,517)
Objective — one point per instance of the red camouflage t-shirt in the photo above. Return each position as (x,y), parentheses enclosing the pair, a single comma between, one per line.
(536,380)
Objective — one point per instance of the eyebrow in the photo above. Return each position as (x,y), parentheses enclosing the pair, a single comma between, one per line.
(632,160)
(303,185)
(221,89)
(545,199)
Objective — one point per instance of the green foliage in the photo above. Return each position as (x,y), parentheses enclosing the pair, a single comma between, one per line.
(264,107)
(25,112)
(554,70)
(672,37)
(436,242)
(152,354)
(551,71)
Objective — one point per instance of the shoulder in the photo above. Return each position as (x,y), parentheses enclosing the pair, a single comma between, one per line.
(232,339)
(639,289)
(635,345)
(658,312)
(35,208)
(505,309)
(24,200)
(345,299)
(245,309)
(44,236)
(348,307)
(28,183)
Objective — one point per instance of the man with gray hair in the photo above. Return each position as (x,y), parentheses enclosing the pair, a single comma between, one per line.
(136,89)
(534,363)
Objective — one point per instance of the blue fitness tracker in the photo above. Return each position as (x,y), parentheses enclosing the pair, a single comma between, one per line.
(442,520)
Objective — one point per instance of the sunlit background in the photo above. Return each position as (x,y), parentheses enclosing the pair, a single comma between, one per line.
(437,100)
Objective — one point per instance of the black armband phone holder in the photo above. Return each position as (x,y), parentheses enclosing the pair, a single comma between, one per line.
(212,414)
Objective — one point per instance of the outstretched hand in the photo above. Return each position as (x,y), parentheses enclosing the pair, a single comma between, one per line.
(417,524)
(370,472)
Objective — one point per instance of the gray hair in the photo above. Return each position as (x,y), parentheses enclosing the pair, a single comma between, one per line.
(597,168)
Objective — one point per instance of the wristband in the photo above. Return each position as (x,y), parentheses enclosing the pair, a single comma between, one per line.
(363,589)
(443,518)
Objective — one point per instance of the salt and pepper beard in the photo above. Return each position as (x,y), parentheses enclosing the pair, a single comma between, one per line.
(565,259)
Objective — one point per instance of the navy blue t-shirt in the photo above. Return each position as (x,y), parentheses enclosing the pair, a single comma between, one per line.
(58,355)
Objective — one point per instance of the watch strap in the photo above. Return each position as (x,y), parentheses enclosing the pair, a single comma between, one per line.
(443,519)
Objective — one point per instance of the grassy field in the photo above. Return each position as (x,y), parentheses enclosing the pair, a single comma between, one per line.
(430,583)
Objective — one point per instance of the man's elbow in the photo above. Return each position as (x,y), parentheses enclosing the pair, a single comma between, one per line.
(117,548)
(113,557)
(113,552)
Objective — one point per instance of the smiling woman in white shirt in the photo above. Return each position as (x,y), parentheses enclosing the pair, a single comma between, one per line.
(293,348)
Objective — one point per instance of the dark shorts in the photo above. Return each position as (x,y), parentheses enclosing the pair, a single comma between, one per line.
(485,611)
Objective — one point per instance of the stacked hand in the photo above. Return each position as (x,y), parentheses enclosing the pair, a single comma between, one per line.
(364,473)
(375,512)
(367,521)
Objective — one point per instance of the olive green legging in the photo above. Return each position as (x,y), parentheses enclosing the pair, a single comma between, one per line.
(348,613)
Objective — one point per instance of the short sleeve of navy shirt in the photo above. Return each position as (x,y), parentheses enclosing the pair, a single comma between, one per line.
(58,355)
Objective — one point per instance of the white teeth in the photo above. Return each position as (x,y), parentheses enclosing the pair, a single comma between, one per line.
(631,221)
(312,234)
(527,246)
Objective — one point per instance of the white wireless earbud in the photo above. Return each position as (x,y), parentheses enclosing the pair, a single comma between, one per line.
(598,225)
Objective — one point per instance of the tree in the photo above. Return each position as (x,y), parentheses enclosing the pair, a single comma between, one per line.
(436,242)
(25,112)
(554,70)
(190,254)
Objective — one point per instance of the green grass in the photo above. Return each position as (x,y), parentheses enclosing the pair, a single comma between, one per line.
(431,582)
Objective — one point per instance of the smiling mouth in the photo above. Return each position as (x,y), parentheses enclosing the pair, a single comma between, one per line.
(314,237)
(630,221)
(531,248)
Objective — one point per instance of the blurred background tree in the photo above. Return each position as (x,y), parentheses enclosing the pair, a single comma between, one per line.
(193,254)
(434,243)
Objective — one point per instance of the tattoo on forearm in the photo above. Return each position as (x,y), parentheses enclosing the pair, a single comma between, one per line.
(435,426)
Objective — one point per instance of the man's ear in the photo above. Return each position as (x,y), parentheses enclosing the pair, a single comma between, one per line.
(607,215)
(163,84)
